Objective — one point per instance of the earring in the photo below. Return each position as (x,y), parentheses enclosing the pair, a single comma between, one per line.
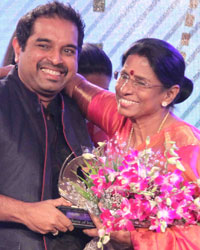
(16,58)
(164,104)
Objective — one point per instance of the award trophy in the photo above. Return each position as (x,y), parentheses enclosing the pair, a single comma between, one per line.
(67,185)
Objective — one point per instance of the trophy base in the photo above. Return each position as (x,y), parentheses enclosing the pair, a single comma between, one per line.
(80,218)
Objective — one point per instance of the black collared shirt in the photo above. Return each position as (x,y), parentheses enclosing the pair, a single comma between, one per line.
(58,149)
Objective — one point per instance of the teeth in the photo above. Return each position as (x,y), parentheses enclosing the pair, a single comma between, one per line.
(126,101)
(52,72)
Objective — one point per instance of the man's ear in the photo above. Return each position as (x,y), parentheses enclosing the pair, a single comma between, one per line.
(171,94)
(17,49)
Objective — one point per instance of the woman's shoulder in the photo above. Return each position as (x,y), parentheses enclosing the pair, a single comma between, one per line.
(183,133)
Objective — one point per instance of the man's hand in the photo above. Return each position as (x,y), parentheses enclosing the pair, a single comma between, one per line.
(43,217)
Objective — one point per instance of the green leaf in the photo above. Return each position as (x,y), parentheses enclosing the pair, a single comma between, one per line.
(93,170)
(81,191)
(180,166)
(163,226)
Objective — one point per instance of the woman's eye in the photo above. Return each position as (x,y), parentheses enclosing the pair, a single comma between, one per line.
(141,83)
(124,76)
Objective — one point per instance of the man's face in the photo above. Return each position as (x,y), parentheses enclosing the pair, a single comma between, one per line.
(50,56)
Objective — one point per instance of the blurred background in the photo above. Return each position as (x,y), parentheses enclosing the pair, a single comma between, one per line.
(115,24)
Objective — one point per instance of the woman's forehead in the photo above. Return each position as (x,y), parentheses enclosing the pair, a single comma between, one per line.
(139,66)
(136,60)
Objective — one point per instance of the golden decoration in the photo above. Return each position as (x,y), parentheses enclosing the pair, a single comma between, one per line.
(189,21)
(185,39)
(194,4)
(99,5)
(183,54)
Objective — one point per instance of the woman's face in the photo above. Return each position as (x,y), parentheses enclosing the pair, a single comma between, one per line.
(139,93)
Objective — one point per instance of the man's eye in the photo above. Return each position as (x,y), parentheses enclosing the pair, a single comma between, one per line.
(69,51)
(43,46)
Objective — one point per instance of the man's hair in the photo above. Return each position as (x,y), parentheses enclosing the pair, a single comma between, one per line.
(55,9)
(94,60)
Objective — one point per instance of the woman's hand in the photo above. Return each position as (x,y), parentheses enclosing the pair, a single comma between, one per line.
(72,83)
(94,231)
(5,70)
(122,236)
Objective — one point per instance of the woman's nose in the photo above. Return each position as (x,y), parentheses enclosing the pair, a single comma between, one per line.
(126,87)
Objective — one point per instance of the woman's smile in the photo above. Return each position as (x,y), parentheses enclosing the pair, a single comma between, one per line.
(126,103)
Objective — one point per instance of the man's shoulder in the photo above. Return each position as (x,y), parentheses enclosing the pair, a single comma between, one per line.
(7,85)
(4,87)
(9,89)
(9,79)
(70,102)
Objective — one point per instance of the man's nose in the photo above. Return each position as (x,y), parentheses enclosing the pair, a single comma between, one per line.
(56,57)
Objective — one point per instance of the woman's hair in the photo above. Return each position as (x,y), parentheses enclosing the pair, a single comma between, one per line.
(94,60)
(166,62)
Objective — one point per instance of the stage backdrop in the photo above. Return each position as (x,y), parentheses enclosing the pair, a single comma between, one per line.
(115,24)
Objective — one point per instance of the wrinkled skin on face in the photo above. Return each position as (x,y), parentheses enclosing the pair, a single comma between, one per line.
(132,101)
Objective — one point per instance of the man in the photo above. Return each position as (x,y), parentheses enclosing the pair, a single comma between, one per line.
(96,67)
(39,128)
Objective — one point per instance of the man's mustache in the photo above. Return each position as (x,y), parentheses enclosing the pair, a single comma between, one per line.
(59,67)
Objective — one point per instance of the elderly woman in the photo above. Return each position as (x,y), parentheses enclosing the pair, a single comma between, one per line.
(150,83)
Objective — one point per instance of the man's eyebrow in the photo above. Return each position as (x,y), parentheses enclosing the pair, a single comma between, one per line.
(71,46)
(43,40)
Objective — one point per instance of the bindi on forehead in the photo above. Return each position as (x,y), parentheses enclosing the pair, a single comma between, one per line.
(131,72)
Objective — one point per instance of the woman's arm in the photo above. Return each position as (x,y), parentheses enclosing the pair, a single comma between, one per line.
(5,70)
(98,105)
(82,91)
(175,238)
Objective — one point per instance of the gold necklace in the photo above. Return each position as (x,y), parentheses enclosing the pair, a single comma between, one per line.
(158,131)
(129,139)
(163,122)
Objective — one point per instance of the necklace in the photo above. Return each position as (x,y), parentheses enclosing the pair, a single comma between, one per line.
(158,131)
(129,139)
(163,122)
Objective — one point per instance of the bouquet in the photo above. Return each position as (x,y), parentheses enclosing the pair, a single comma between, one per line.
(137,189)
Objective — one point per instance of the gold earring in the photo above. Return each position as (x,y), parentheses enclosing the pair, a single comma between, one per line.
(16,58)
(164,104)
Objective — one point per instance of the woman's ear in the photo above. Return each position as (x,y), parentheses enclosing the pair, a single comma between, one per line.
(17,49)
(170,95)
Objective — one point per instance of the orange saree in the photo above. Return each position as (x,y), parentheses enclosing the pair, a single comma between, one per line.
(101,108)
